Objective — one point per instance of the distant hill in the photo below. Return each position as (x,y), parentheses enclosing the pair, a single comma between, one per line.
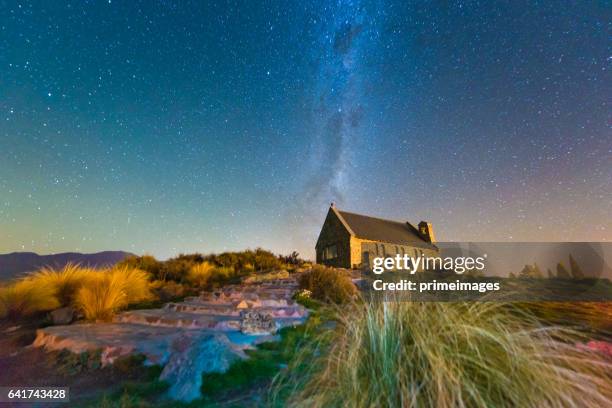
(16,263)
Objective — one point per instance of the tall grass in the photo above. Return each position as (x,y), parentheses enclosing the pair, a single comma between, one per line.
(66,281)
(26,297)
(106,293)
(199,274)
(98,293)
(408,354)
(593,316)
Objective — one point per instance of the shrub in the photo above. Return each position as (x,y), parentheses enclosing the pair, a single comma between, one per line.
(111,291)
(145,263)
(410,354)
(26,297)
(328,285)
(179,268)
(167,290)
(222,275)
(292,259)
(200,274)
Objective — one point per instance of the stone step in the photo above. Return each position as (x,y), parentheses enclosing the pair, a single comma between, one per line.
(220,304)
(225,309)
(185,320)
(235,309)
(246,294)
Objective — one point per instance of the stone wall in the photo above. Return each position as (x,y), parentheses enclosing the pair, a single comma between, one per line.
(334,233)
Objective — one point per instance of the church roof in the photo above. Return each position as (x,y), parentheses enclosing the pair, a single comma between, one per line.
(378,229)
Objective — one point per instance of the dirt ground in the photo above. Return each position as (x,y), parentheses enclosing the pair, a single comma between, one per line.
(22,365)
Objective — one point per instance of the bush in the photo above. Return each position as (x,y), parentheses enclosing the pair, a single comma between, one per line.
(111,291)
(184,267)
(410,354)
(328,285)
(145,263)
(247,261)
(222,275)
(26,297)
(168,290)
(200,274)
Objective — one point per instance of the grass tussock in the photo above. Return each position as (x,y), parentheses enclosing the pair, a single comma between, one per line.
(97,293)
(27,297)
(408,354)
(106,293)
(199,274)
(65,282)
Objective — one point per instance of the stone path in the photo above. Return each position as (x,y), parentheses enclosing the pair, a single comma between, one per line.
(198,335)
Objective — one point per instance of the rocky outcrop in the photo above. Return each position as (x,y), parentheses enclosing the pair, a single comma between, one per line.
(193,354)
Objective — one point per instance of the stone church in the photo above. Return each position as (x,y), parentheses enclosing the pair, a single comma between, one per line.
(349,240)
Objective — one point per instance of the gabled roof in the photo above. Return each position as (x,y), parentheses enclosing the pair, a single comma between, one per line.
(378,229)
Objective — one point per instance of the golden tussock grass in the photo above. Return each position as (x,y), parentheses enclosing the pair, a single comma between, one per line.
(200,274)
(26,297)
(112,290)
(98,293)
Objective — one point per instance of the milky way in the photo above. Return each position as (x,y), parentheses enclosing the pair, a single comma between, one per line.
(338,101)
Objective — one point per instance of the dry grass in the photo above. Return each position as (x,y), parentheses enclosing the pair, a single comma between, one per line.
(111,291)
(409,354)
(97,292)
(265,277)
(199,275)
(594,316)
(26,297)
(66,281)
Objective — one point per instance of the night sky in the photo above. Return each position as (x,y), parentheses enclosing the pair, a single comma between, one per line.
(166,127)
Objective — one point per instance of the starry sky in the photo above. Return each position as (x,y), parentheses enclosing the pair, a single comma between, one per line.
(164,127)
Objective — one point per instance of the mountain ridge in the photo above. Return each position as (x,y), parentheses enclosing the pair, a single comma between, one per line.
(14,264)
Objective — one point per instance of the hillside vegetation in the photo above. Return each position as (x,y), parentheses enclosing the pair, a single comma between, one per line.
(97,294)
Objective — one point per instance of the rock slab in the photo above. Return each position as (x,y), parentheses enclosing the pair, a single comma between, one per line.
(193,354)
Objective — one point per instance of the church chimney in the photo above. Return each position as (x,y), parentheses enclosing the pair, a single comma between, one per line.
(426,231)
